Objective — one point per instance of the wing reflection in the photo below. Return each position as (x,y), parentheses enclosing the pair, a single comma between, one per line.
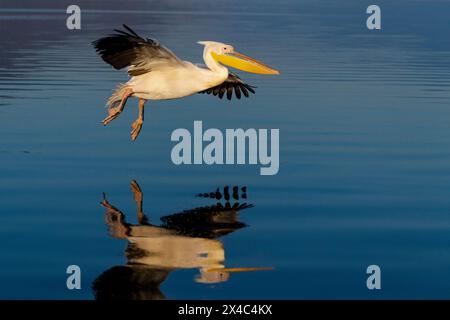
(184,240)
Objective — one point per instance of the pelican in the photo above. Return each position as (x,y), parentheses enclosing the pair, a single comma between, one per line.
(156,73)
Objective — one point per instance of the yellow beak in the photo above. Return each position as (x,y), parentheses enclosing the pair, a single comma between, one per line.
(242,62)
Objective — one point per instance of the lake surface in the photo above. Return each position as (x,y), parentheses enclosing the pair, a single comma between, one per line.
(364,151)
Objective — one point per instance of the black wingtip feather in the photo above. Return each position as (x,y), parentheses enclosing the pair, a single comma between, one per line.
(221,92)
(237,92)
(229,91)
(230,85)
(244,91)
(131,30)
(250,88)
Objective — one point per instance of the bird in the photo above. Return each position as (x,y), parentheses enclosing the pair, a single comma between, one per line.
(156,73)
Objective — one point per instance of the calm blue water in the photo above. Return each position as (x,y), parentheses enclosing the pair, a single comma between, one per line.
(364,148)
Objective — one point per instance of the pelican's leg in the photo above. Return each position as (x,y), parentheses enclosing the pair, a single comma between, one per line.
(115,220)
(137,125)
(138,197)
(114,112)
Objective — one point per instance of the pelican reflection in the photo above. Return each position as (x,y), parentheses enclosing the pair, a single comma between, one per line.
(184,240)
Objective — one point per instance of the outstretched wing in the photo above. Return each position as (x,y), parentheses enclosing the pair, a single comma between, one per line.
(127,49)
(232,83)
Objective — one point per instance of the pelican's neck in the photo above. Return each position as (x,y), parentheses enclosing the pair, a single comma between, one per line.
(212,64)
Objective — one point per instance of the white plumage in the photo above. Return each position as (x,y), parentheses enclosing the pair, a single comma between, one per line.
(158,74)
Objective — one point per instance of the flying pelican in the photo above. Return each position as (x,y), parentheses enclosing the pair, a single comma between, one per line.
(158,74)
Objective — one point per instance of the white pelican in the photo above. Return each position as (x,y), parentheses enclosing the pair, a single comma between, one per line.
(158,74)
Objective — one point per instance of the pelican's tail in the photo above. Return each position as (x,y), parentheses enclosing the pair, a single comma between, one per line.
(117,96)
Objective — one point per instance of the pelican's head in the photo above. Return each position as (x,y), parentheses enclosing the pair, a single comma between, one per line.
(225,54)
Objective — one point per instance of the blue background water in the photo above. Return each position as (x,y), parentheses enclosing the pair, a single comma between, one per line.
(364,147)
